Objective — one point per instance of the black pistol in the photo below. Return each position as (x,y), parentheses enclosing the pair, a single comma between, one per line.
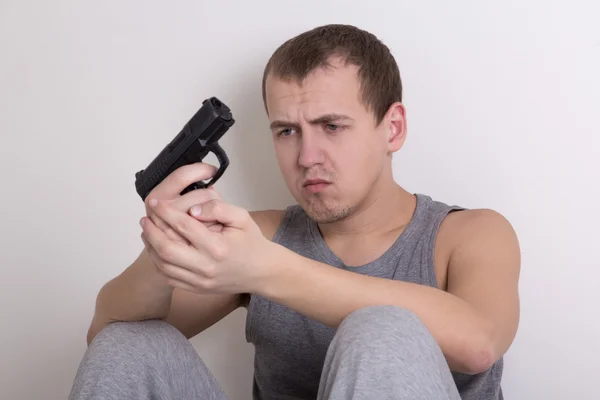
(197,138)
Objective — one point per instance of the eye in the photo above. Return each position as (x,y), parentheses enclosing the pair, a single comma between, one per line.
(285,132)
(333,127)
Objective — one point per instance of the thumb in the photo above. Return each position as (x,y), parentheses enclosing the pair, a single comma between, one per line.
(220,212)
(211,224)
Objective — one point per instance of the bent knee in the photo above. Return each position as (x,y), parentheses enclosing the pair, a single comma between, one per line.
(154,334)
(383,323)
(385,317)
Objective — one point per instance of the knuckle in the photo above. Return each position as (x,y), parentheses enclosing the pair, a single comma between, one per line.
(171,234)
(164,250)
(161,206)
(147,200)
(182,225)
(159,224)
(210,272)
(169,270)
(208,284)
(219,251)
(164,268)
(216,206)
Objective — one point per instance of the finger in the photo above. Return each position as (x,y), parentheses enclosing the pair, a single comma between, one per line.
(181,178)
(198,196)
(214,226)
(163,226)
(183,203)
(182,277)
(174,275)
(222,212)
(188,200)
(187,226)
(172,234)
(171,251)
(158,262)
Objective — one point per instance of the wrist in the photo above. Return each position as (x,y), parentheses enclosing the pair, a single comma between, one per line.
(271,267)
(147,275)
(279,274)
(139,292)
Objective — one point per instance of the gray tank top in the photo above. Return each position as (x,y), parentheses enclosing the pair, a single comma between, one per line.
(290,348)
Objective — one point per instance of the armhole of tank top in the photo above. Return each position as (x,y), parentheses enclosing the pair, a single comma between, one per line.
(432,241)
(287,218)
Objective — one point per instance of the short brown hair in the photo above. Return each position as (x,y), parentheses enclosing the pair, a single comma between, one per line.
(378,74)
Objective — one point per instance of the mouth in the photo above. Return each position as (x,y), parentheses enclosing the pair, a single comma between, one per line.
(315,185)
(309,182)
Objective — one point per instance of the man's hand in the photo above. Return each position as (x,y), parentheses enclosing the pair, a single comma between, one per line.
(232,260)
(169,191)
(171,187)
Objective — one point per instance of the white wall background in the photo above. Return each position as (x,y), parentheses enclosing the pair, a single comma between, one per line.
(502,102)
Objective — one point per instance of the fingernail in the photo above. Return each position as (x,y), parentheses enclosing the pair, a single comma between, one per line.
(142,220)
(195,211)
(153,202)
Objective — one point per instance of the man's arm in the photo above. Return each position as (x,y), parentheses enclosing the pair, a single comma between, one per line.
(484,271)
(141,293)
(193,313)
(474,322)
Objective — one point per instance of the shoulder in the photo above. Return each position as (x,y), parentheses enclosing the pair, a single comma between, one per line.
(268,221)
(478,234)
(467,225)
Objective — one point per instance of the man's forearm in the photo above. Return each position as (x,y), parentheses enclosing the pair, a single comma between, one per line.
(134,295)
(328,295)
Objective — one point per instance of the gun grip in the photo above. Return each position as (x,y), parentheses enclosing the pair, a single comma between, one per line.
(223,164)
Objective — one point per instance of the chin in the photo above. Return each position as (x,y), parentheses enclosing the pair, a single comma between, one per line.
(323,213)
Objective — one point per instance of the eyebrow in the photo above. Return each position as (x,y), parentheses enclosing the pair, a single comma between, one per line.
(323,119)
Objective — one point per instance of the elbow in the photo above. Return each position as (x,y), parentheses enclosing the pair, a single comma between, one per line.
(479,351)
(481,359)
(476,356)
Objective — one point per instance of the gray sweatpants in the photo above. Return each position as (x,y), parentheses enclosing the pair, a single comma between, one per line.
(378,352)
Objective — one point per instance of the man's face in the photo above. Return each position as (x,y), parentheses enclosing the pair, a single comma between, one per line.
(329,150)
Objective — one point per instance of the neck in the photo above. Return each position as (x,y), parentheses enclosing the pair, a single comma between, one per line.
(386,209)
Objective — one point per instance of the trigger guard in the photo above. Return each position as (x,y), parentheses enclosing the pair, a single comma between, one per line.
(223,164)
(199,185)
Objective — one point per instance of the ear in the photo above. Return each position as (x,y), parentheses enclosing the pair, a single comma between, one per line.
(396,126)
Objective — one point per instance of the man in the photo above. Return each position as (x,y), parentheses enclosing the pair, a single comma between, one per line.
(360,291)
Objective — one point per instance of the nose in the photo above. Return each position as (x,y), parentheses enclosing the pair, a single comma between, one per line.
(311,150)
